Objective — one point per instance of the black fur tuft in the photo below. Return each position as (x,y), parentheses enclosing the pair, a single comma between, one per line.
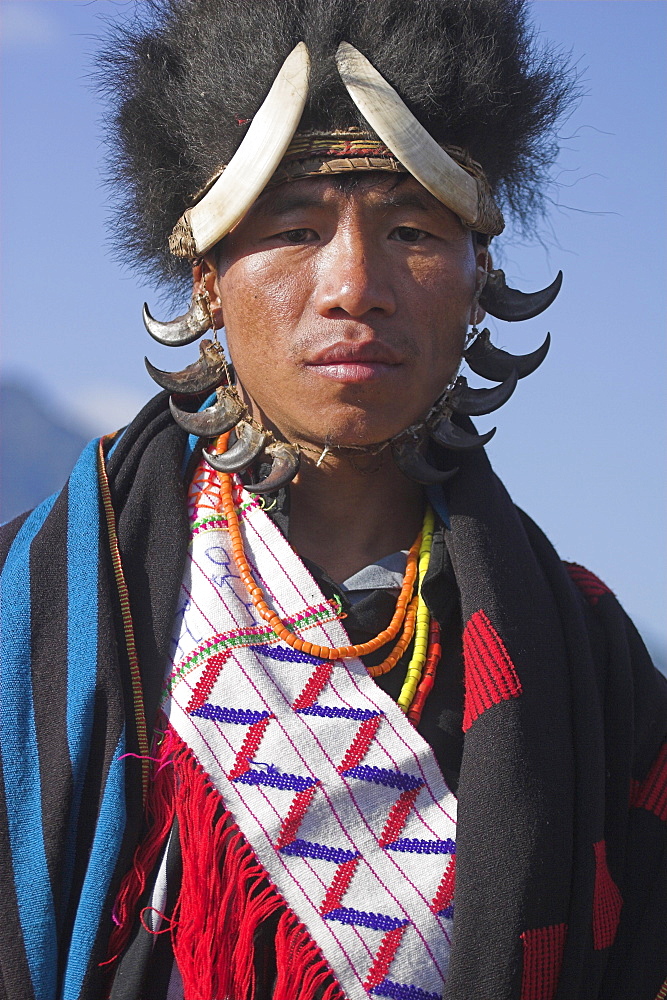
(182,79)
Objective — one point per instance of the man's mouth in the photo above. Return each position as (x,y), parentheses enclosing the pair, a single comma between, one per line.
(354,362)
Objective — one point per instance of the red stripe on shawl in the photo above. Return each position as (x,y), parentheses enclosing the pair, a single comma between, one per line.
(249,748)
(588,583)
(542,961)
(294,818)
(339,886)
(225,895)
(314,686)
(398,815)
(651,793)
(445,893)
(607,901)
(205,683)
(384,958)
(360,745)
(490,675)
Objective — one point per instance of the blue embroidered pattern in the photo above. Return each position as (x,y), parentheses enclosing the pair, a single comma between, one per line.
(448,912)
(307,849)
(397,991)
(286,653)
(415,846)
(333,712)
(384,776)
(291,782)
(376,921)
(239,716)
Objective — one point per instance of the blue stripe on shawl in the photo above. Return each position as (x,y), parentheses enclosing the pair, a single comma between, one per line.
(18,741)
(101,864)
(119,438)
(83,533)
(20,762)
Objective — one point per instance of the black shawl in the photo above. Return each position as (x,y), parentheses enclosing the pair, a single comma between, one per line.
(561,886)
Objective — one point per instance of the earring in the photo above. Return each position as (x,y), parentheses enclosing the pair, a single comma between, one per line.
(186,328)
(473,332)
(204,299)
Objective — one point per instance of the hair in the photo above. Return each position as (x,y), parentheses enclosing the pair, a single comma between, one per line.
(184,77)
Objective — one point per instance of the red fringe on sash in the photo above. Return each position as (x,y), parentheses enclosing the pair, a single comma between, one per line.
(225,895)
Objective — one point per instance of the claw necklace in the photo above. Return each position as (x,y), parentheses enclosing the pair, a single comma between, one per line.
(212,372)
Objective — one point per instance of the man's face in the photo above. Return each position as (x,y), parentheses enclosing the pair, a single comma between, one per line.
(346,307)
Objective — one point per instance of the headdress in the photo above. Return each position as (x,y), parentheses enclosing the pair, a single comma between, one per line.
(186,79)
(220,99)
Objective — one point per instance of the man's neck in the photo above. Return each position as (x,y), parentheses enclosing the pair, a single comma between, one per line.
(344,516)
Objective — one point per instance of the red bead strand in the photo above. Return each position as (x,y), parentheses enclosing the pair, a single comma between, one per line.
(428,677)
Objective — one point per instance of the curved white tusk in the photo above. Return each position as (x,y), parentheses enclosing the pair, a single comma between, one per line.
(406,137)
(255,161)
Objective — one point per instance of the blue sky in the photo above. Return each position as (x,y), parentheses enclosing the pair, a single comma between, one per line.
(581,445)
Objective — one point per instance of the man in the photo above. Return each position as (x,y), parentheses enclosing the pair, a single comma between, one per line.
(384,742)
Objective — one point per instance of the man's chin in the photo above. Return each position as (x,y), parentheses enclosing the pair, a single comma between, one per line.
(373,436)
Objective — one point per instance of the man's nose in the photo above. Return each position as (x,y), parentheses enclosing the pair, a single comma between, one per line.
(353,279)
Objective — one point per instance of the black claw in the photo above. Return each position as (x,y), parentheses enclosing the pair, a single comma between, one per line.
(492,363)
(510,304)
(447,434)
(182,330)
(215,420)
(476,402)
(206,374)
(284,467)
(249,443)
(409,458)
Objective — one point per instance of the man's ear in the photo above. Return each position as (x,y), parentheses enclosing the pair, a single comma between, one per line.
(484,265)
(204,280)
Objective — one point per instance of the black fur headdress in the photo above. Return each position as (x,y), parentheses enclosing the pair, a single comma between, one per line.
(186,76)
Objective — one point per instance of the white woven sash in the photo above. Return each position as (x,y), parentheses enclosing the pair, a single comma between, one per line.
(339,797)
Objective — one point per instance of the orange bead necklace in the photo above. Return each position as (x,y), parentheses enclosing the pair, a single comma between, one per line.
(403,619)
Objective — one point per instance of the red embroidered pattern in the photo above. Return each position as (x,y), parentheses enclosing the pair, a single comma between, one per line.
(338,887)
(249,748)
(358,748)
(607,901)
(292,821)
(651,793)
(314,686)
(384,958)
(542,960)
(445,894)
(588,583)
(398,815)
(205,683)
(490,676)
(204,490)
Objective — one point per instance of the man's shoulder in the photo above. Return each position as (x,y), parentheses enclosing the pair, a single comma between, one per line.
(625,670)
(591,586)
(8,533)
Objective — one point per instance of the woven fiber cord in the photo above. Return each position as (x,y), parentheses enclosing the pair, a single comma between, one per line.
(128,628)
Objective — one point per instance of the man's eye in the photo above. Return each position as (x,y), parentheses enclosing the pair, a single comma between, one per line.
(298,236)
(408,234)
